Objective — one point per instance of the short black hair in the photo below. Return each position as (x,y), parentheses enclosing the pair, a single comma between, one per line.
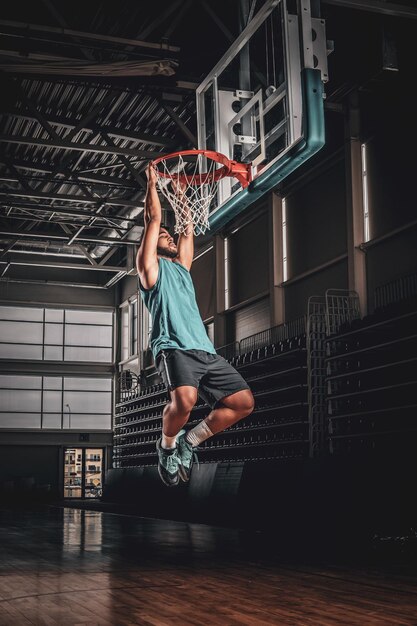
(143,233)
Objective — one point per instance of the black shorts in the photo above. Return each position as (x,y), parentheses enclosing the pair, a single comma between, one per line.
(211,374)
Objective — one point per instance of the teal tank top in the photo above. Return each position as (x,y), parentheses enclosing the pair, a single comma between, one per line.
(176,320)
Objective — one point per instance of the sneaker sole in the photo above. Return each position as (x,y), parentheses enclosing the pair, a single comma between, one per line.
(184,475)
(165,482)
(161,476)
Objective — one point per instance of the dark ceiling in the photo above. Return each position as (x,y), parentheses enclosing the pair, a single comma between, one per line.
(91,91)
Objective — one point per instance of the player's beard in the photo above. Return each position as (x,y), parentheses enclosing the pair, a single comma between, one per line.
(170,254)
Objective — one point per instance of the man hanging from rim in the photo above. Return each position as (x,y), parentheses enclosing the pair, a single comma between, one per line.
(184,356)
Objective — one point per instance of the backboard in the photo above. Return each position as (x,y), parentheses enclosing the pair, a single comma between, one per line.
(263,101)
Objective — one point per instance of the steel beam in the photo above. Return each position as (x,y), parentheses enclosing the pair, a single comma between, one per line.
(140,179)
(44,195)
(80,147)
(57,15)
(182,10)
(61,210)
(377,6)
(23,217)
(117,133)
(183,128)
(226,32)
(28,28)
(161,17)
(62,265)
(52,237)
(106,181)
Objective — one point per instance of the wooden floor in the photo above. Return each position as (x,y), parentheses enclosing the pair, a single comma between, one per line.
(62,566)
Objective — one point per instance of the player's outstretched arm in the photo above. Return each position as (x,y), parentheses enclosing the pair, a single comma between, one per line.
(185,244)
(147,259)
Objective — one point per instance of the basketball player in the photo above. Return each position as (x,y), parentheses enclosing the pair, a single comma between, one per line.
(184,356)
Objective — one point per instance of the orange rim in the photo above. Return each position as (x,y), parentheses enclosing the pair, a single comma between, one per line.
(241,171)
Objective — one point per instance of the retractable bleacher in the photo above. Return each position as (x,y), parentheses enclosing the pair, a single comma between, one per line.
(371,377)
(277,428)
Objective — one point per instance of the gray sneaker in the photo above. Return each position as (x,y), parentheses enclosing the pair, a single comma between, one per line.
(168,464)
(187,455)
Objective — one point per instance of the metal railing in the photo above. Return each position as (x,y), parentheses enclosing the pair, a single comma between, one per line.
(267,337)
(341,306)
(326,314)
(316,335)
(229,350)
(396,290)
(273,335)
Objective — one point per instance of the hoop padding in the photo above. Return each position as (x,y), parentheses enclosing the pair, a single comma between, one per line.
(189,181)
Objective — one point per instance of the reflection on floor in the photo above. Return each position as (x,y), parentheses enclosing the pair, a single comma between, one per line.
(61,566)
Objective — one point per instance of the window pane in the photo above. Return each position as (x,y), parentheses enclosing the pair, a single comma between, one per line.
(24,400)
(20,382)
(132,364)
(67,417)
(21,332)
(99,355)
(52,420)
(88,335)
(13,351)
(52,353)
(210,331)
(93,471)
(52,401)
(89,317)
(73,473)
(54,334)
(134,328)
(52,382)
(21,313)
(20,420)
(125,333)
(87,402)
(91,422)
(87,384)
(54,315)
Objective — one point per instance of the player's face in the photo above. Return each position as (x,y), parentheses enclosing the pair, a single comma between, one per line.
(166,244)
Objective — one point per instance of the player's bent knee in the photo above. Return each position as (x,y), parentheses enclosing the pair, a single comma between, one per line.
(248,403)
(242,402)
(184,399)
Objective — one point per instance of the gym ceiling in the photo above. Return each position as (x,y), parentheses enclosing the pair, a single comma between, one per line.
(90,92)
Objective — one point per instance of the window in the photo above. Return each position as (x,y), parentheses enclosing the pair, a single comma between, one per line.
(284,241)
(365,195)
(21,332)
(55,402)
(226,273)
(82,478)
(146,327)
(124,329)
(56,334)
(134,327)
(203,274)
(129,329)
(210,330)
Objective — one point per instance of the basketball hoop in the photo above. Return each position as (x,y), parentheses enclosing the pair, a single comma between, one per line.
(189,181)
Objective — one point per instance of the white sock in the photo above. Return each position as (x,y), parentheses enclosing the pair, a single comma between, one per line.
(168,443)
(198,434)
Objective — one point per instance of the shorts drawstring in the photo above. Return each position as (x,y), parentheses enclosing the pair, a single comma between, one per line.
(164,356)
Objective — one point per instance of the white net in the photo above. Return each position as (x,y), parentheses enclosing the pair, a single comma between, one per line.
(189,186)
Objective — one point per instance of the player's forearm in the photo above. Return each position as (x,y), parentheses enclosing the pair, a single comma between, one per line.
(186,214)
(185,246)
(153,211)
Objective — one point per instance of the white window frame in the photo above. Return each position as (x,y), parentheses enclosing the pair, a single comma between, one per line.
(365,194)
(284,242)
(129,305)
